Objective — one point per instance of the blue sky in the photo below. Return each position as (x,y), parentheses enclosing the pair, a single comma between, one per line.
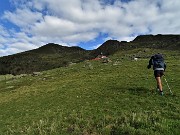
(29,24)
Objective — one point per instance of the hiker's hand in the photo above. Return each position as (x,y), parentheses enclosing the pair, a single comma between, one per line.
(149,66)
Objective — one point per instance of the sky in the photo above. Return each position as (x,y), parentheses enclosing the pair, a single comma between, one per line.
(29,24)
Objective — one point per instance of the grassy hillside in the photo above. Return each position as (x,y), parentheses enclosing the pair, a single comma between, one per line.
(94,98)
(46,57)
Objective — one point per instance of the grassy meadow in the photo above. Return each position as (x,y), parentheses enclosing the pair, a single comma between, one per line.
(94,98)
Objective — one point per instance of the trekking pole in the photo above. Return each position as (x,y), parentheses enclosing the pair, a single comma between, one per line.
(168,85)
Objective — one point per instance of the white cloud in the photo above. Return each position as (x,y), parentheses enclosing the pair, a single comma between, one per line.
(53,26)
(3,31)
(23,17)
(127,38)
(73,21)
(8,51)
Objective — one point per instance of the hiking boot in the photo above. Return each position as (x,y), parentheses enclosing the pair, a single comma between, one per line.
(161,93)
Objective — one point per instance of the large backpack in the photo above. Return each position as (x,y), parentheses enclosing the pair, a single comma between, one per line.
(158,61)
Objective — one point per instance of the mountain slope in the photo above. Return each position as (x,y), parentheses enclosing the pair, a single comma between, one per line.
(107,48)
(44,58)
(170,42)
(53,56)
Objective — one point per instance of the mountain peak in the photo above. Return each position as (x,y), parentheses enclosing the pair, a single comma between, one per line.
(52,48)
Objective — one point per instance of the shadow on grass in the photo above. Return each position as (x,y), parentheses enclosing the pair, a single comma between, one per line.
(146,91)
(139,90)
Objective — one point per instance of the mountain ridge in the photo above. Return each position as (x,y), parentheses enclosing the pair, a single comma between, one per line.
(54,55)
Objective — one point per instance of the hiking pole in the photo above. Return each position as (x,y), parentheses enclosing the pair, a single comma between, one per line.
(168,85)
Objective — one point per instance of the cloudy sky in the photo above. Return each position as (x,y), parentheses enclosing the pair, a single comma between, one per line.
(29,24)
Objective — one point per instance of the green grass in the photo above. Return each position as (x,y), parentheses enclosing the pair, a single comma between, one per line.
(93,98)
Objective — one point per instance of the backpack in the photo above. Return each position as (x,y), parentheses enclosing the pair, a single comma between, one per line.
(158,61)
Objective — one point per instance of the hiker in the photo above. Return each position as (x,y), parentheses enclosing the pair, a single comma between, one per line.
(159,67)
